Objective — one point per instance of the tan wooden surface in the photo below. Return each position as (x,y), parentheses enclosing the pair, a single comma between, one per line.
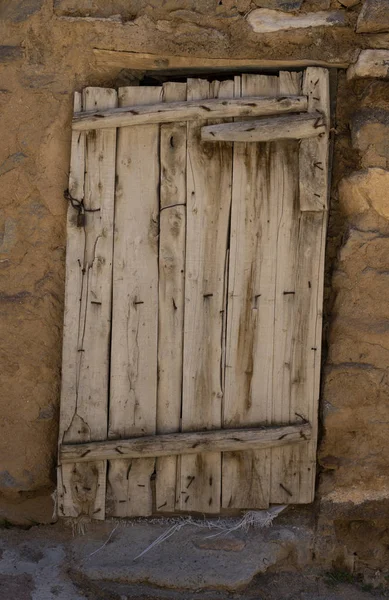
(250,311)
(195,443)
(172,237)
(209,176)
(187,110)
(266,130)
(87,320)
(285,263)
(135,304)
(158,62)
(218,262)
(314,152)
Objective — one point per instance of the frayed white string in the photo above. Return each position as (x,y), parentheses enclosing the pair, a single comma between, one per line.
(252,518)
(105,543)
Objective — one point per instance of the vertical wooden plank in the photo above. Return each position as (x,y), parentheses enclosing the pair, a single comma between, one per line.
(284,482)
(293,469)
(306,352)
(73,286)
(208,209)
(87,321)
(171,292)
(135,305)
(314,151)
(250,311)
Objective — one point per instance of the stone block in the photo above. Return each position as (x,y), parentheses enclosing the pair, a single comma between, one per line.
(285,5)
(9,53)
(370,63)
(374,17)
(370,135)
(348,3)
(364,190)
(264,20)
(18,10)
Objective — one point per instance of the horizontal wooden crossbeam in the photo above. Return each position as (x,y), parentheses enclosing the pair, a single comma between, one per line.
(169,112)
(266,130)
(167,63)
(225,440)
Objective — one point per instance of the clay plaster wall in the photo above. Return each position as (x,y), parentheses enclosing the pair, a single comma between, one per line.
(47,54)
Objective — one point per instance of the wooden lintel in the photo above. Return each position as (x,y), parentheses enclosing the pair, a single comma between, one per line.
(153,62)
(225,440)
(169,112)
(265,130)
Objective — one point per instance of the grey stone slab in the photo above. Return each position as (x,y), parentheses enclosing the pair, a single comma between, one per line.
(182,561)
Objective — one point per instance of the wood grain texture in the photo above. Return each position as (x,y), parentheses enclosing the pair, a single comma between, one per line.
(291,127)
(171,292)
(250,311)
(135,304)
(194,443)
(314,152)
(87,321)
(157,62)
(171,111)
(209,176)
(284,468)
(306,351)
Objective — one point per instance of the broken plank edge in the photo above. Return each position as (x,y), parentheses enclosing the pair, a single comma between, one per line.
(224,440)
(169,112)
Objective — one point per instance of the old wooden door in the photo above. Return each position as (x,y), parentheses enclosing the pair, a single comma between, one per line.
(196,235)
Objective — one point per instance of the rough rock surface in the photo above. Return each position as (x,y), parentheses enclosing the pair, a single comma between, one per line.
(19,10)
(285,5)
(370,135)
(264,20)
(370,63)
(374,17)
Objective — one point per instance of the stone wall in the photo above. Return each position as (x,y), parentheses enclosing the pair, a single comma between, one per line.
(47,54)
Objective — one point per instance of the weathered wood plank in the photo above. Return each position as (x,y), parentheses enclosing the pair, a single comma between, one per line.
(250,312)
(194,443)
(135,304)
(157,62)
(187,111)
(73,287)
(314,152)
(87,322)
(283,465)
(308,340)
(171,292)
(208,207)
(289,127)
